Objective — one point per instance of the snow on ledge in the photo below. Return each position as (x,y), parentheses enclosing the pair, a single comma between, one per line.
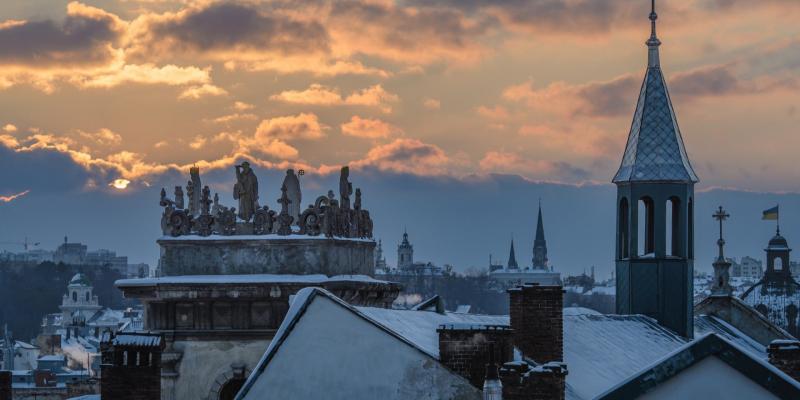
(243,279)
(270,237)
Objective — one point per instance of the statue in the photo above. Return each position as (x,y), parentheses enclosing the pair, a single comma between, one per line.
(284,219)
(194,196)
(246,191)
(216,208)
(205,202)
(164,201)
(357,203)
(345,188)
(178,197)
(190,190)
(292,184)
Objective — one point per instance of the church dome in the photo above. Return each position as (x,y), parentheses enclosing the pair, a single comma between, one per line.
(778,242)
(80,279)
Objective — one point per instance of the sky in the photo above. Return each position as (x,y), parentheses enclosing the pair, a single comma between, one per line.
(107,101)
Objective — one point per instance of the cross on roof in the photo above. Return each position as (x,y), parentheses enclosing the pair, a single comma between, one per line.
(721,215)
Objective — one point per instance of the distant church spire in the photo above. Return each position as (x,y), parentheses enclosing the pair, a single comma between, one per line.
(512,258)
(540,244)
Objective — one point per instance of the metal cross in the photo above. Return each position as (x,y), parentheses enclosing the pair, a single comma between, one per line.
(720,216)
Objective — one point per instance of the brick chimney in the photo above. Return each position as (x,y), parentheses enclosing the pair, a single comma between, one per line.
(522,381)
(5,385)
(131,366)
(467,349)
(785,355)
(537,321)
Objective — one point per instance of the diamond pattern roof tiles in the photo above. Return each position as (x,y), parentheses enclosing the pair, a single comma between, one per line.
(655,151)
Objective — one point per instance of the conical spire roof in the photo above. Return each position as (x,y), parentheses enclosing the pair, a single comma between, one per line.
(539,239)
(655,150)
(512,258)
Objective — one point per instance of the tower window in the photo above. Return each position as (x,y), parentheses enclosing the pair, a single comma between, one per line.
(74,297)
(646,226)
(87,296)
(624,239)
(672,233)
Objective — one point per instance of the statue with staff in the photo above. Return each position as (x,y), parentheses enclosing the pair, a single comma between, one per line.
(246,191)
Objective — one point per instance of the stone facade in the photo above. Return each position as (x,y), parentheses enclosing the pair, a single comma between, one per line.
(466,350)
(216,330)
(785,354)
(537,321)
(265,255)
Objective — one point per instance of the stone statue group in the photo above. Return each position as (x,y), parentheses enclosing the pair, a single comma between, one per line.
(327,216)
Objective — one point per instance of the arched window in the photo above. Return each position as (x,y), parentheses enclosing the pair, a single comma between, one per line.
(646,226)
(74,296)
(778,264)
(87,296)
(690,230)
(624,210)
(672,227)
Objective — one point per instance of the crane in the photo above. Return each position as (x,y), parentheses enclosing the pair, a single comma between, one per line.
(26,244)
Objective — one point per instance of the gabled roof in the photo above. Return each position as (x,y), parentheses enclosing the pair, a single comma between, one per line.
(306,296)
(760,371)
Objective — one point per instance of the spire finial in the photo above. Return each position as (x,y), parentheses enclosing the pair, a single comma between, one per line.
(653,42)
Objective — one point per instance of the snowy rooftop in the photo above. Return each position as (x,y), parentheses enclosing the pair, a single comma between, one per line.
(600,350)
(239,279)
(137,340)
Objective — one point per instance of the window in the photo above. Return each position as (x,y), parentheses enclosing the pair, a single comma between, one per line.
(624,210)
(672,227)
(646,226)
(74,296)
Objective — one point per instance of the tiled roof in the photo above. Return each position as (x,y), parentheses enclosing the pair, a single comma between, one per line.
(655,151)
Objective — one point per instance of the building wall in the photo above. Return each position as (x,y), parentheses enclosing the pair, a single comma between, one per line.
(705,379)
(205,362)
(312,255)
(330,347)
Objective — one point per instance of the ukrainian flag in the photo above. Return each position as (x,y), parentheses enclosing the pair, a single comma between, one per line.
(771,214)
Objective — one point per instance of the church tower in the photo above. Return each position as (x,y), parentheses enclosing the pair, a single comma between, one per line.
(539,244)
(405,253)
(655,210)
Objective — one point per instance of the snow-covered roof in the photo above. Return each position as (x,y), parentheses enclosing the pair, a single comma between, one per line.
(137,340)
(245,278)
(600,350)
(711,344)
(419,327)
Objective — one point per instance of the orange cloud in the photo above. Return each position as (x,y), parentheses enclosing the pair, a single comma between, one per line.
(301,126)
(196,92)
(407,156)
(316,94)
(368,128)
(104,137)
(513,163)
(9,199)
(432,104)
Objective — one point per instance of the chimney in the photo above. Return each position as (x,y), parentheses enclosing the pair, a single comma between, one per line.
(785,355)
(522,381)
(5,385)
(492,387)
(537,321)
(467,349)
